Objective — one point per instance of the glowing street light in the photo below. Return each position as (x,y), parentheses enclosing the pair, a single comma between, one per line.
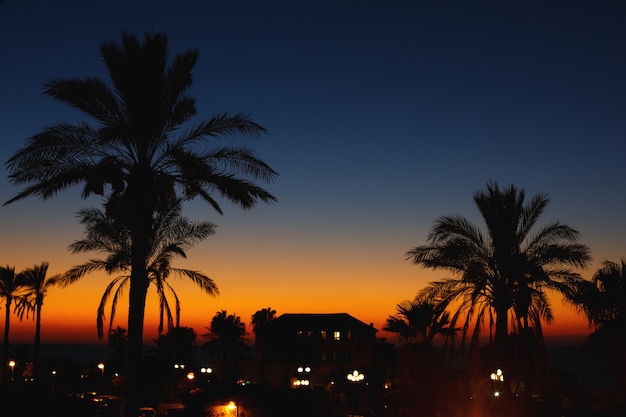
(498,378)
(12,366)
(101,367)
(355,376)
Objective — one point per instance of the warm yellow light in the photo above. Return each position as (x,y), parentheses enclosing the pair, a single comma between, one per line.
(12,364)
(231,405)
(355,376)
(190,376)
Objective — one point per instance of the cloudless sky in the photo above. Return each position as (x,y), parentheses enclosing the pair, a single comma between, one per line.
(382,116)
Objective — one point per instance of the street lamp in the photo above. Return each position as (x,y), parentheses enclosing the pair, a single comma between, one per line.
(355,376)
(101,367)
(498,378)
(12,366)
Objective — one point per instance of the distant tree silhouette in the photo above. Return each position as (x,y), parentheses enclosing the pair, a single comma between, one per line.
(118,340)
(505,273)
(140,155)
(226,342)
(603,299)
(420,321)
(177,345)
(10,286)
(36,285)
(172,235)
(172,356)
(260,319)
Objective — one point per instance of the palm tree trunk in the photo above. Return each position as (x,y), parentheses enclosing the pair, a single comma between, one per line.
(37,344)
(5,341)
(136,310)
(502,331)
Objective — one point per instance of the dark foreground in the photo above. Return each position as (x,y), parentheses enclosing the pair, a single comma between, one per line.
(253,401)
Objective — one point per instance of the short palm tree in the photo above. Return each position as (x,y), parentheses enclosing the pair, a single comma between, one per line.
(10,286)
(603,300)
(117,342)
(260,320)
(420,321)
(142,153)
(226,341)
(36,286)
(173,234)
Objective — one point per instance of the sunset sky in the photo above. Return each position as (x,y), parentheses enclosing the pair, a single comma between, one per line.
(382,116)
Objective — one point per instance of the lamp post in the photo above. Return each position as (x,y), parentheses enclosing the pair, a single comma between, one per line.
(498,379)
(355,377)
(12,366)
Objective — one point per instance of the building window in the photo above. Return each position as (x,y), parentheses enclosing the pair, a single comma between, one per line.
(348,335)
(310,333)
(299,333)
(336,335)
(323,334)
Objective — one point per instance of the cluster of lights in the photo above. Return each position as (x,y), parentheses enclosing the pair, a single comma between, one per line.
(355,376)
(304,377)
(497,376)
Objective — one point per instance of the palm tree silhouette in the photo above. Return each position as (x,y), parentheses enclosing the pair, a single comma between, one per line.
(172,235)
(603,300)
(117,342)
(141,155)
(36,285)
(226,342)
(506,272)
(260,319)
(10,286)
(420,321)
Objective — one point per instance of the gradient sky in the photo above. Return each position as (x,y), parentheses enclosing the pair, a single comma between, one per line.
(382,116)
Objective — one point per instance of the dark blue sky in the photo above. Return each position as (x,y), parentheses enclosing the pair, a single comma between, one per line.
(381,117)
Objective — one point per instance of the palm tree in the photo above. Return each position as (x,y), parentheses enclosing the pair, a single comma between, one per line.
(10,286)
(172,235)
(142,154)
(36,285)
(603,300)
(117,342)
(506,272)
(226,341)
(260,319)
(420,321)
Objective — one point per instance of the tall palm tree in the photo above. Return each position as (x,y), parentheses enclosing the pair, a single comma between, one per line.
(172,235)
(10,286)
(141,154)
(506,272)
(36,285)
(226,342)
